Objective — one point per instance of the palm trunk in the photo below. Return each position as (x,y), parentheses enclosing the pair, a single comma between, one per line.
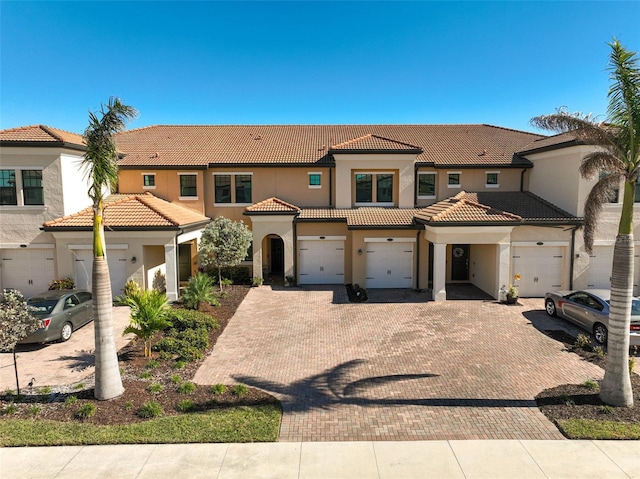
(615,388)
(108,380)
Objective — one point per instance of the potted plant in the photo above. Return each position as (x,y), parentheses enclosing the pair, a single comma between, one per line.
(512,292)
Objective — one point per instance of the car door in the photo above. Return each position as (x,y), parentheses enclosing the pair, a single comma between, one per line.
(594,312)
(86,304)
(573,308)
(74,312)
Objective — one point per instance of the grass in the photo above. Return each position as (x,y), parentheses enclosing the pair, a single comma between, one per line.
(591,429)
(241,424)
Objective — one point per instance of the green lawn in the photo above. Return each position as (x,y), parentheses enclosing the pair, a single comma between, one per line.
(591,429)
(241,424)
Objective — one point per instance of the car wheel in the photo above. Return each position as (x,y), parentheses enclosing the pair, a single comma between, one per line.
(67,331)
(600,333)
(550,306)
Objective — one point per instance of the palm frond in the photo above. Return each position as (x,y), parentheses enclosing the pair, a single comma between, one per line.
(601,161)
(584,127)
(604,191)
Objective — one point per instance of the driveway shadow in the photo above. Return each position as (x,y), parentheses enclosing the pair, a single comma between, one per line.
(336,387)
(78,362)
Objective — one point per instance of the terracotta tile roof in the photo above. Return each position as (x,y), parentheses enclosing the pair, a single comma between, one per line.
(375,143)
(131,212)
(40,134)
(460,209)
(552,142)
(530,207)
(363,217)
(272,206)
(199,146)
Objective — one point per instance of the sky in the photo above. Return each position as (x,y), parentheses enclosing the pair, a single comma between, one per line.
(333,62)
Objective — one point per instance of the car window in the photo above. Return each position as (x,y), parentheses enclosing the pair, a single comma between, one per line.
(635,307)
(579,297)
(71,302)
(593,303)
(83,296)
(41,306)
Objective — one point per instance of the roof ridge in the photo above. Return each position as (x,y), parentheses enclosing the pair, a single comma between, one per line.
(143,198)
(49,131)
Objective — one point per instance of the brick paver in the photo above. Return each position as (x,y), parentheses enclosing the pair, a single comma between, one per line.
(396,367)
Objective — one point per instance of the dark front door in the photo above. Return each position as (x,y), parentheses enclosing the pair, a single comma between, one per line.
(460,262)
(184,261)
(277,255)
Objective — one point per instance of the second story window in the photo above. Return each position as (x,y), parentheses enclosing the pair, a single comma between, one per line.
(233,188)
(374,189)
(188,186)
(426,185)
(8,194)
(453,180)
(492,180)
(149,181)
(32,187)
(315,180)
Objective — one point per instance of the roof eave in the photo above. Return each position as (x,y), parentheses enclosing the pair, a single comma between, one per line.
(42,144)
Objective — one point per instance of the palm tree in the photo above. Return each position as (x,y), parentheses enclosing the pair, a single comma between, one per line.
(150,312)
(100,161)
(617,156)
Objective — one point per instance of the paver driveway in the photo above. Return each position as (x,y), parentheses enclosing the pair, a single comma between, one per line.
(395,367)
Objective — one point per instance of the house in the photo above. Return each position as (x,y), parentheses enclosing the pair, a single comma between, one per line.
(46,221)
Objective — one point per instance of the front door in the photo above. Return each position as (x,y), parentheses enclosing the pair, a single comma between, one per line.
(184,261)
(277,255)
(460,262)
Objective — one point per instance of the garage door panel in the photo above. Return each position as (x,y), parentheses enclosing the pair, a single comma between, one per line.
(389,265)
(83,264)
(28,270)
(540,269)
(321,262)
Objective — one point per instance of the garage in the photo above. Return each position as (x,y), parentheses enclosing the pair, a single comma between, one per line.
(389,263)
(321,261)
(540,268)
(29,270)
(83,268)
(600,264)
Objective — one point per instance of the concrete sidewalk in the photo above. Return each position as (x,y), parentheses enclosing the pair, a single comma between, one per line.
(331,460)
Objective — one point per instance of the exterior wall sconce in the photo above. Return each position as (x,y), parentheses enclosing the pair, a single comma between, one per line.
(134,259)
(360,252)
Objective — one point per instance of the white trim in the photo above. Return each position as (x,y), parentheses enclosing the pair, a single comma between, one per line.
(187,198)
(544,243)
(487,185)
(28,246)
(23,207)
(454,173)
(230,173)
(315,187)
(90,246)
(23,167)
(454,186)
(314,172)
(491,172)
(187,173)
(374,204)
(609,242)
(430,197)
(322,238)
(222,205)
(374,173)
(146,187)
(386,240)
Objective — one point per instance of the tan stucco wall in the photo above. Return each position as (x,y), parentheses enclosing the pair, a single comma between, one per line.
(483,267)
(347,164)
(278,225)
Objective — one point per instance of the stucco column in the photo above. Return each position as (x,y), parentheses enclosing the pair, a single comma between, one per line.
(257,254)
(439,271)
(171,273)
(503,259)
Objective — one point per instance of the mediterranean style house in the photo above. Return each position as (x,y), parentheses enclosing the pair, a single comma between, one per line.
(381,206)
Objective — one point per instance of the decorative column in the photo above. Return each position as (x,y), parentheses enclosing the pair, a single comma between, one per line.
(504,261)
(171,273)
(439,271)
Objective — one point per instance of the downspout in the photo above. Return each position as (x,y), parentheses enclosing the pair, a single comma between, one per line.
(415,185)
(571,259)
(418,261)
(295,247)
(331,185)
(522,179)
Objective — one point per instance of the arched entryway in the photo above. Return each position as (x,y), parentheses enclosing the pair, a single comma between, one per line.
(273,258)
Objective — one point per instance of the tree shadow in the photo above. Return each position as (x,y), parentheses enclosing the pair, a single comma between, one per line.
(336,386)
(80,361)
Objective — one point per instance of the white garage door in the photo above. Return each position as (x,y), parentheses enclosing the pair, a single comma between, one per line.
(389,265)
(28,270)
(540,269)
(117,269)
(600,264)
(321,262)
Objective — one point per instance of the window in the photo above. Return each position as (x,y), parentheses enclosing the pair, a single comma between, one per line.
(315,180)
(453,179)
(149,181)
(8,194)
(374,188)
(188,186)
(233,188)
(492,179)
(363,189)
(426,185)
(32,187)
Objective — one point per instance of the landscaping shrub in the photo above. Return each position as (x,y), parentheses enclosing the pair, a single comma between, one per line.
(86,411)
(186,405)
(66,283)
(186,388)
(218,389)
(237,274)
(150,409)
(240,390)
(189,337)
(187,319)
(198,290)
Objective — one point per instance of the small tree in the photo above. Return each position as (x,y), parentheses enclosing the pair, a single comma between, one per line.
(150,312)
(224,243)
(16,323)
(199,289)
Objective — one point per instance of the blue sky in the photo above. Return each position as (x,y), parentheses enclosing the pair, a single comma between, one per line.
(264,62)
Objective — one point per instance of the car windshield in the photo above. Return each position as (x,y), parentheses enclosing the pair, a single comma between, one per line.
(635,307)
(41,306)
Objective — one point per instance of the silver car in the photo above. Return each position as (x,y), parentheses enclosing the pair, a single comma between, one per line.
(589,309)
(61,312)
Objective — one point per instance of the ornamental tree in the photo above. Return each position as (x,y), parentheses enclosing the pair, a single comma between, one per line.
(224,243)
(16,323)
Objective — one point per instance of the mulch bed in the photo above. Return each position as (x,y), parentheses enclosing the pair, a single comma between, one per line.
(123,409)
(577,401)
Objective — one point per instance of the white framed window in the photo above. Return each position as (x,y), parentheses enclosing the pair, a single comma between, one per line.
(233,189)
(454,179)
(315,180)
(149,181)
(374,189)
(188,186)
(21,187)
(492,179)
(427,185)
